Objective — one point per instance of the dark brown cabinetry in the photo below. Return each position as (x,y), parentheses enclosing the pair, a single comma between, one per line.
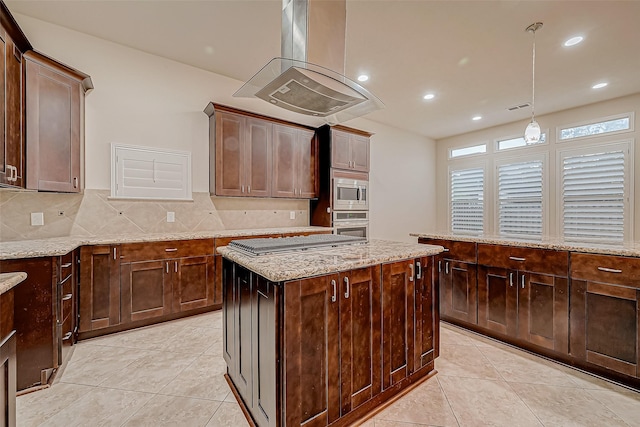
(99,287)
(242,155)
(294,171)
(457,279)
(523,293)
(145,289)
(12,155)
(44,315)
(54,129)
(427,320)
(605,307)
(8,360)
(349,150)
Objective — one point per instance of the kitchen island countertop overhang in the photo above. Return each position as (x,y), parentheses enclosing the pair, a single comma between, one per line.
(315,262)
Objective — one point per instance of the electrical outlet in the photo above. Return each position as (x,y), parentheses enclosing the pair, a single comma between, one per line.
(37,218)
(171,217)
(292,215)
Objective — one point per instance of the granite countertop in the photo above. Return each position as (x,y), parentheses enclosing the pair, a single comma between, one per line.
(63,245)
(631,250)
(314,262)
(9,280)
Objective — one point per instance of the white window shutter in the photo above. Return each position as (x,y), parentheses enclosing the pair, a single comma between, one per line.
(149,173)
(467,200)
(520,188)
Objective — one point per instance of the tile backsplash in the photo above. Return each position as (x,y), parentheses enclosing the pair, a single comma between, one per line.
(94,214)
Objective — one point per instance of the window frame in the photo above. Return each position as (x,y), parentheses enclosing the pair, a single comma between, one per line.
(466,156)
(628,213)
(630,115)
(498,150)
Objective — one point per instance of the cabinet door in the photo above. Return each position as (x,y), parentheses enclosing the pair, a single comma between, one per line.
(458,287)
(398,320)
(311,351)
(8,380)
(229,316)
(99,287)
(359,146)
(605,324)
(229,154)
(11,142)
(53,129)
(306,170)
(217,281)
(258,157)
(360,340)
(497,299)
(340,150)
(543,310)
(264,352)
(146,289)
(244,368)
(285,157)
(193,282)
(426,323)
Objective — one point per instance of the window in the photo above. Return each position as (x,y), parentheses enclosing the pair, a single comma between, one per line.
(467,200)
(520,196)
(595,194)
(467,151)
(610,125)
(149,173)
(506,144)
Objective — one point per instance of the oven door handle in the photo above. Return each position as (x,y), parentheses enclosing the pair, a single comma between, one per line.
(358,194)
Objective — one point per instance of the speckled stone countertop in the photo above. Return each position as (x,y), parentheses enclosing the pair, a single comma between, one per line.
(631,250)
(9,280)
(314,262)
(64,245)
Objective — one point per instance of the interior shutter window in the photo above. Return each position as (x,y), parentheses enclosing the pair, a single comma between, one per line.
(467,201)
(520,199)
(149,173)
(594,191)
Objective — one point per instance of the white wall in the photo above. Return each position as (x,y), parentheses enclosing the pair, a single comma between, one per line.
(143,99)
(549,123)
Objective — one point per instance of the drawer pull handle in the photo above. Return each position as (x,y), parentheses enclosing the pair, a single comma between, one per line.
(67,297)
(171,250)
(419,273)
(511,279)
(515,258)
(67,336)
(67,265)
(522,281)
(346,281)
(114,253)
(333,296)
(609,270)
(445,250)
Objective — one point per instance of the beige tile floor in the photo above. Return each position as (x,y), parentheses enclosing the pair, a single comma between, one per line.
(171,375)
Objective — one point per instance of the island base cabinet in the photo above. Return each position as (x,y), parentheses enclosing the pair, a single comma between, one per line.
(426,319)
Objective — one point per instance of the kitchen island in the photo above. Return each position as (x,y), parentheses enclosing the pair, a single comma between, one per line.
(328,336)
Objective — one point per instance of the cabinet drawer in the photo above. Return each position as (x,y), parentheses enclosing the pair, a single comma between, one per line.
(132,252)
(543,261)
(454,250)
(606,269)
(65,267)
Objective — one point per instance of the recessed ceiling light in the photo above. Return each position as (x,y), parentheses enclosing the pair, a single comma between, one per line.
(429,96)
(476,118)
(599,85)
(573,41)
(363,78)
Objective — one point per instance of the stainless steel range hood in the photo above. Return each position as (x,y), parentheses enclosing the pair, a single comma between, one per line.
(309,78)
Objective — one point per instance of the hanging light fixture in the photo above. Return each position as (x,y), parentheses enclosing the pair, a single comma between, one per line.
(532,132)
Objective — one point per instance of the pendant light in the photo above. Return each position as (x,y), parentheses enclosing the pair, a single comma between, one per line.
(532,132)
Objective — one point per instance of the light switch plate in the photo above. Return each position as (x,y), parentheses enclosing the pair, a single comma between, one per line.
(292,215)
(171,217)
(37,218)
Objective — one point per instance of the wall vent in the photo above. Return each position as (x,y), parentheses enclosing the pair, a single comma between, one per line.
(519,106)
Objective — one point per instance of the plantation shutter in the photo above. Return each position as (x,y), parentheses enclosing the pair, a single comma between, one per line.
(520,199)
(594,194)
(467,200)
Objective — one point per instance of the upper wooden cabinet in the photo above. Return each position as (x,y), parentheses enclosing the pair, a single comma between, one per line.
(54,124)
(349,150)
(12,45)
(256,156)
(293,166)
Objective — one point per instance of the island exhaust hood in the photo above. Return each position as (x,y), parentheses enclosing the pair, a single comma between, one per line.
(309,78)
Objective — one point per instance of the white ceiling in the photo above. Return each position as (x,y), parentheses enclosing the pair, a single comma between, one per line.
(474,55)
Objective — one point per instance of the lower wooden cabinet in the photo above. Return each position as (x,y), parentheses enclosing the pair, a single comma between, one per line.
(427,321)
(605,312)
(193,283)
(145,290)
(8,382)
(99,287)
(458,289)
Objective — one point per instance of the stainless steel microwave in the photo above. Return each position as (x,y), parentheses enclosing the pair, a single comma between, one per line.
(349,194)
